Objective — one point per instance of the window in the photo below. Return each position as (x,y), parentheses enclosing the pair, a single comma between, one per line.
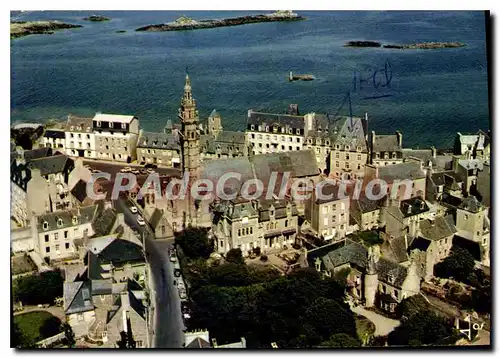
(88,136)
(286,223)
(57,247)
(221,243)
(252,127)
(124,125)
(66,245)
(239,232)
(80,316)
(325,221)
(98,123)
(337,164)
(66,234)
(139,344)
(47,238)
(56,236)
(298,140)
(253,136)
(466,217)
(111,124)
(393,155)
(298,131)
(47,249)
(337,155)
(359,156)
(325,209)
(347,156)
(298,148)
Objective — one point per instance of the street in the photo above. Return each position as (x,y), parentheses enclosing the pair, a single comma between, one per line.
(169,326)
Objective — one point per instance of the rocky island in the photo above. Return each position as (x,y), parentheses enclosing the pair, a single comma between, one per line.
(415,46)
(24,28)
(96,18)
(186,23)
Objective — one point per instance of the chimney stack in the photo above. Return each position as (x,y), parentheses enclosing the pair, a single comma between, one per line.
(400,138)
(433,151)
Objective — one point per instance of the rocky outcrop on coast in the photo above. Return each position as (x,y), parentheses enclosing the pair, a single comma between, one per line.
(415,46)
(186,23)
(24,28)
(96,18)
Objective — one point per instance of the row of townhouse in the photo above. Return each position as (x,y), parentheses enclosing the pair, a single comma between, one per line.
(105,136)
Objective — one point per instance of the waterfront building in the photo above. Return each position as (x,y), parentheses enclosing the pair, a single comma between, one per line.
(160,149)
(54,138)
(386,149)
(80,138)
(115,137)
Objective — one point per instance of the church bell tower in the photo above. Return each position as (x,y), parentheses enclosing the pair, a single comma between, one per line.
(190,135)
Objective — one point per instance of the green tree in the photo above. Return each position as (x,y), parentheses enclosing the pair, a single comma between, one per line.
(422,328)
(235,256)
(195,243)
(341,340)
(412,305)
(459,265)
(36,289)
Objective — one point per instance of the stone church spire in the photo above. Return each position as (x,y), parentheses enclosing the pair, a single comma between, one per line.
(190,135)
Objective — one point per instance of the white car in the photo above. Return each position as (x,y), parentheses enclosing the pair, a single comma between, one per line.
(140,220)
(126,170)
(133,209)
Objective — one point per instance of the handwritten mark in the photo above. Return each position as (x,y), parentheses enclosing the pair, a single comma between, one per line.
(376,97)
(380,78)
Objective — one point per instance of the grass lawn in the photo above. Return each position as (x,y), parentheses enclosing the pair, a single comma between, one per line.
(38,325)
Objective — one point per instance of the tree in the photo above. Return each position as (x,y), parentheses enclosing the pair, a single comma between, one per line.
(195,243)
(235,256)
(412,305)
(341,340)
(37,289)
(69,334)
(365,329)
(459,265)
(422,328)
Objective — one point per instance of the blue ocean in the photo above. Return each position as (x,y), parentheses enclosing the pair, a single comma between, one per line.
(429,95)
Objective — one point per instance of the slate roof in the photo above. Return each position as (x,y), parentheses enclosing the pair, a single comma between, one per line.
(395,249)
(354,253)
(78,124)
(77,297)
(269,119)
(437,229)
(386,143)
(301,163)
(279,209)
(116,118)
(413,206)
(79,191)
(367,205)
(104,222)
(64,219)
(420,243)
(120,252)
(102,287)
(401,171)
(425,155)
(226,142)
(53,165)
(199,343)
(158,140)
(352,133)
(471,164)
(327,190)
(54,133)
(471,204)
(32,154)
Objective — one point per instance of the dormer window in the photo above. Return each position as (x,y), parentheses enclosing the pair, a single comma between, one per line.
(267,128)
(98,123)
(111,124)
(298,131)
(75,220)
(59,222)
(290,131)
(124,125)
(45,225)
(327,142)
(252,127)
(390,278)
(394,155)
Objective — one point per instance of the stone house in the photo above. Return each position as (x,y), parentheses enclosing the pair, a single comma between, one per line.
(328,216)
(80,138)
(473,224)
(372,279)
(115,137)
(366,212)
(386,149)
(54,138)
(432,244)
(467,171)
(403,180)
(475,146)
(56,231)
(223,145)
(160,225)
(160,149)
(248,224)
(402,218)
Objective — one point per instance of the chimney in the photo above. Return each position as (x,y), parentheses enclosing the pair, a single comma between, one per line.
(373,140)
(406,241)
(400,138)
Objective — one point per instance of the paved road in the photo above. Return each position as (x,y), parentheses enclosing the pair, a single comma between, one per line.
(169,326)
(383,325)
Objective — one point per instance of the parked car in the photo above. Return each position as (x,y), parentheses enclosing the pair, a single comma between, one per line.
(182,293)
(140,220)
(173,258)
(126,170)
(133,209)
(135,171)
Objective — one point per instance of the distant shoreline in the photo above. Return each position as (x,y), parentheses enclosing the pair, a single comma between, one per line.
(415,46)
(25,28)
(185,23)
